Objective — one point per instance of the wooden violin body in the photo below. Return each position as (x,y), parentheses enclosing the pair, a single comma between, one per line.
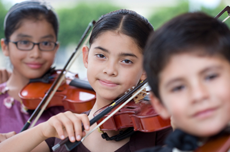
(220,144)
(75,99)
(141,116)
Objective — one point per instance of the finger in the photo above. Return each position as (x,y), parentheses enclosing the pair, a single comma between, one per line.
(85,120)
(58,126)
(68,124)
(77,122)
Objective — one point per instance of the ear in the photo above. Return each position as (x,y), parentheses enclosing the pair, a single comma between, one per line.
(143,76)
(158,106)
(5,49)
(85,52)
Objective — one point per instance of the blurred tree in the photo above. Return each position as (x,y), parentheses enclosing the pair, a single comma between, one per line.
(163,15)
(3,12)
(74,21)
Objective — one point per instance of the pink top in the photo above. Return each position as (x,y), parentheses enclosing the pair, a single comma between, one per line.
(13,114)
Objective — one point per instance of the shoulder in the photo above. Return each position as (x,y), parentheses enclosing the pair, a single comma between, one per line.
(3,88)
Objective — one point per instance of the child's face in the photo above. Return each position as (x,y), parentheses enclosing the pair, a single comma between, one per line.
(195,91)
(33,63)
(114,64)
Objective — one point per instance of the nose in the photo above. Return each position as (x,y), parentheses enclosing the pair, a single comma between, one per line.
(199,92)
(35,52)
(110,69)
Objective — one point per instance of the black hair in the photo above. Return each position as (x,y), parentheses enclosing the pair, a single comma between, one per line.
(28,10)
(125,21)
(188,33)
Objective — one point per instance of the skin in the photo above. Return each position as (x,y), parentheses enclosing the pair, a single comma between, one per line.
(5,136)
(112,58)
(29,64)
(195,92)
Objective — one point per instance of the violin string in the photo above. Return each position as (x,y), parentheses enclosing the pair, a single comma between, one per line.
(59,83)
(115,111)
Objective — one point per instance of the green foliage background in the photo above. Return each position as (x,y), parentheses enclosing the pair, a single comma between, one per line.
(73,21)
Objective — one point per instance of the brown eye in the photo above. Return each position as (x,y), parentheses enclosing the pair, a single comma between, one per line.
(127,61)
(100,55)
(178,88)
(211,77)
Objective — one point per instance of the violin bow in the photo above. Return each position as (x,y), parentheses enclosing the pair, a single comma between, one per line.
(123,101)
(226,9)
(50,93)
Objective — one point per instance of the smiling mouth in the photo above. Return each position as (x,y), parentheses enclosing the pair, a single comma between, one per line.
(205,113)
(108,83)
(34,65)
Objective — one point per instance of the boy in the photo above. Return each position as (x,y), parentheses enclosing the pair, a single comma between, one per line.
(187,62)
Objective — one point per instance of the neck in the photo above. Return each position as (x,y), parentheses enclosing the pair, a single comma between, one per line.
(15,84)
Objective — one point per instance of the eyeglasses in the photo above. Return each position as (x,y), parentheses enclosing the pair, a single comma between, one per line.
(28,45)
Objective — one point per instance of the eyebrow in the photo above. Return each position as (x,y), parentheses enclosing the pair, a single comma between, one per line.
(120,54)
(201,72)
(28,36)
(211,68)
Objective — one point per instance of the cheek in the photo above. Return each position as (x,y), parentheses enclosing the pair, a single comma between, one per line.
(49,57)
(221,90)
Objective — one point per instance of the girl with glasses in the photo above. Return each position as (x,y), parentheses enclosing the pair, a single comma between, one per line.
(30,42)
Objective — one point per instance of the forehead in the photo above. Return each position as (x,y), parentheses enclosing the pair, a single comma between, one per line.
(28,26)
(115,40)
(187,64)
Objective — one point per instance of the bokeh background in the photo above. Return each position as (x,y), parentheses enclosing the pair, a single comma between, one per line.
(75,15)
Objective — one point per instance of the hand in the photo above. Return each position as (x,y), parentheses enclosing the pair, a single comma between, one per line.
(5,136)
(66,124)
(4,75)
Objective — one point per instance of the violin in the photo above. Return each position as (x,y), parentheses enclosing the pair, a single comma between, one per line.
(120,103)
(141,116)
(219,144)
(70,95)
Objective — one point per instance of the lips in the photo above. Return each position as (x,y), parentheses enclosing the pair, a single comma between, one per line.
(202,114)
(108,83)
(34,65)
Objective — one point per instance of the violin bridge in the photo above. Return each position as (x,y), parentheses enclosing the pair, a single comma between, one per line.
(140,96)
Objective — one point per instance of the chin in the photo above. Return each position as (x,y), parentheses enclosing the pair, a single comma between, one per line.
(209,131)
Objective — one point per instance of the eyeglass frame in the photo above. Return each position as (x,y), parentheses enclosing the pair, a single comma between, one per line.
(16,43)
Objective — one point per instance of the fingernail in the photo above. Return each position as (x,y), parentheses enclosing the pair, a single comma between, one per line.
(62,136)
(87,127)
(78,137)
(72,138)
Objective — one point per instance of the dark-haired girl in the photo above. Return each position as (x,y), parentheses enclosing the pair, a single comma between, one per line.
(31,44)
(114,64)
